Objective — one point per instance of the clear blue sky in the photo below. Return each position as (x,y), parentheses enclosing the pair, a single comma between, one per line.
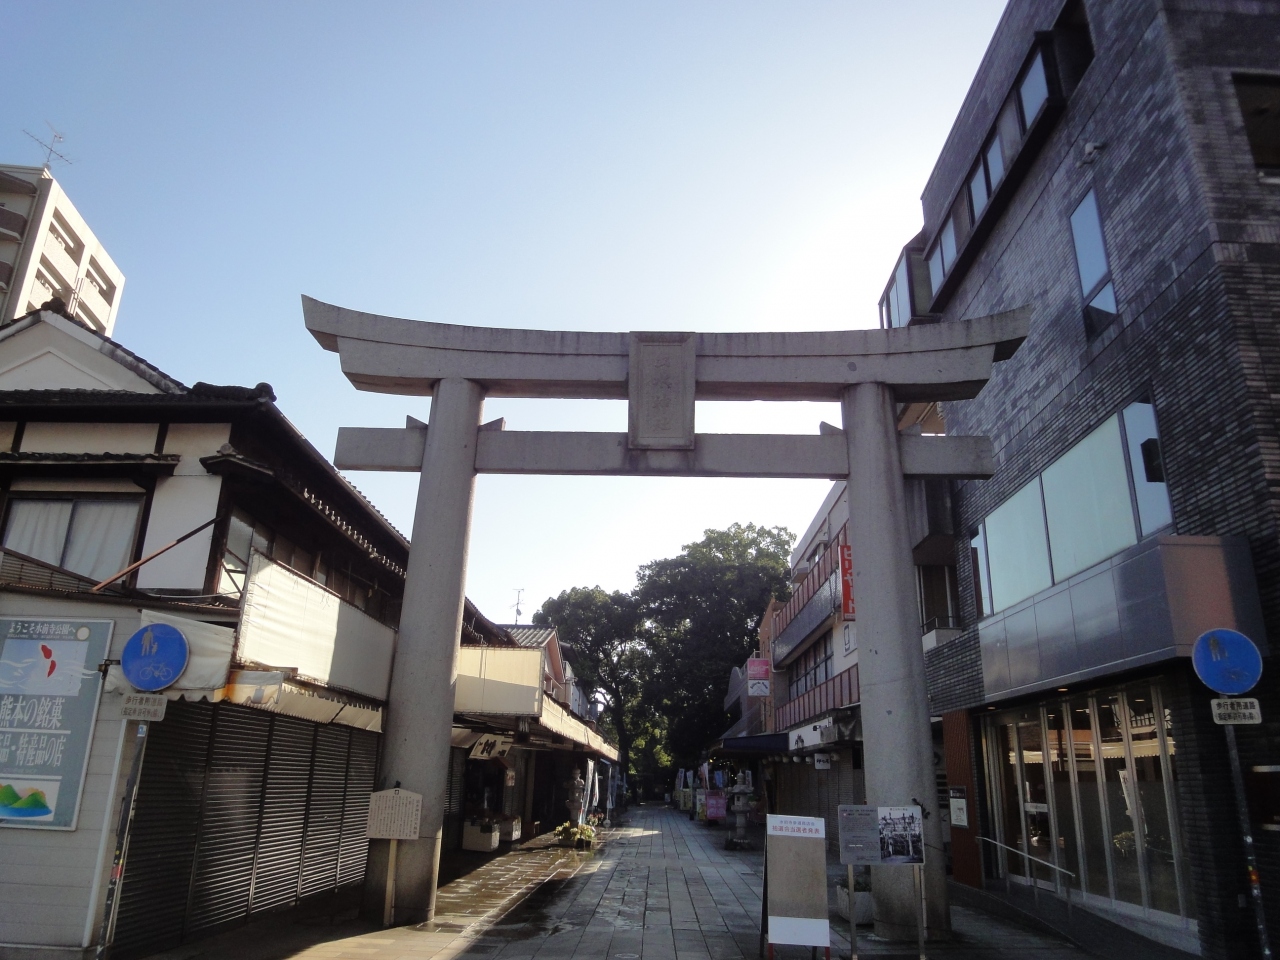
(609,166)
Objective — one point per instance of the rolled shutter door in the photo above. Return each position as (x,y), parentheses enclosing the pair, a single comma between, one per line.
(229,822)
(362,768)
(284,813)
(162,844)
(324,810)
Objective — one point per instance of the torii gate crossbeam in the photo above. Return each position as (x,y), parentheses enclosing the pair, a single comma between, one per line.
(661,375)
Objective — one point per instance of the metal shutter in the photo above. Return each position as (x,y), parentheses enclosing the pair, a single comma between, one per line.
(324,811)
(162,845)
(454,791)
(284,813)
(229,819)
(362,768)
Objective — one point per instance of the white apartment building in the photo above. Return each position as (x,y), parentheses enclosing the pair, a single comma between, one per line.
(47,250)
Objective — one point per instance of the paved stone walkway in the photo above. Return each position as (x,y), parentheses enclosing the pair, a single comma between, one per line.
(662,888)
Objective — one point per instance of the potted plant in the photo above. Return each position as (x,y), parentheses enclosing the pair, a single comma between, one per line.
(569,834)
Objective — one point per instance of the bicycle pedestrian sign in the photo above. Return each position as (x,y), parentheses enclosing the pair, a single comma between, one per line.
(1227,662)
(154,657)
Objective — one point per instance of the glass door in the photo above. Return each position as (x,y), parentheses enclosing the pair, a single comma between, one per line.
(1038,829)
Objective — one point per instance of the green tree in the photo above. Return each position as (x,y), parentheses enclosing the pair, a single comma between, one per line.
(700,612)
(598,633)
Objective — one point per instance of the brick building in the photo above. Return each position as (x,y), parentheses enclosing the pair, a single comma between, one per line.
(1117,167)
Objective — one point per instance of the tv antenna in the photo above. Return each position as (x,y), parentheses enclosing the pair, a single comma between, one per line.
(516,605)
(51,148)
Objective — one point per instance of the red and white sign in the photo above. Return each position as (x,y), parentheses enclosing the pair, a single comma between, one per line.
(846,580)
(758,668)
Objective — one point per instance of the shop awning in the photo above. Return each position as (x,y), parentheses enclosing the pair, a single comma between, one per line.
(761,744)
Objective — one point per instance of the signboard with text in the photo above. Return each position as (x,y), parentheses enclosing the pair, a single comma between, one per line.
(490,746)
(759,668)
(846,580)
(1236,711)
(394,815)
(880,835)
(49,688)
(796,866)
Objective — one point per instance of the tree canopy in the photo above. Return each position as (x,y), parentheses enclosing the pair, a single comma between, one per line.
(659,657)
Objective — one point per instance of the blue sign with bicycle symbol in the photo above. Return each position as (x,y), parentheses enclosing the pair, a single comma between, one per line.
(155,657)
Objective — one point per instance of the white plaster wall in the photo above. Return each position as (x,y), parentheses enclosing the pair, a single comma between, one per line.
(44,358)
(181,503)
(53,882)
(89,438)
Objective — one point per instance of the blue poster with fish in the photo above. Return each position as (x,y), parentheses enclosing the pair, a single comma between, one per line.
(49,689)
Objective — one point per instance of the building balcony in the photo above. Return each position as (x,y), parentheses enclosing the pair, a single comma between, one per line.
(1146,604)
(13,226)
(59,265)
(839,691)
(822,603)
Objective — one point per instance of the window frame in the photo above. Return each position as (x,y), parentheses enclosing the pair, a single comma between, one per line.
(1266,172)
(141,498)
(979,540)
(1088,297)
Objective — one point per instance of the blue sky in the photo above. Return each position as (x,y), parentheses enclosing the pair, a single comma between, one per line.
(609,166)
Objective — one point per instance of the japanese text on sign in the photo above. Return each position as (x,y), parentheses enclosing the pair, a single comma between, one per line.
(394,815)
(1236,710)
(797,826)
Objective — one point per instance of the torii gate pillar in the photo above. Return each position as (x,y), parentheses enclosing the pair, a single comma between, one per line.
(895,716)
(661,375)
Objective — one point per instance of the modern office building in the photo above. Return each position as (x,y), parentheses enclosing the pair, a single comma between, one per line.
(47,251)
(1115,166)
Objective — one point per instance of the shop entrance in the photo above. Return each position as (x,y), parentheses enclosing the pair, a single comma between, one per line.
(1088,785)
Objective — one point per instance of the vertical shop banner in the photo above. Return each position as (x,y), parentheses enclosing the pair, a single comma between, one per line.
(846,580)
(49,688)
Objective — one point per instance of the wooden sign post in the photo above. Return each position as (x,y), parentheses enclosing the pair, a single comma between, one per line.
(394,815)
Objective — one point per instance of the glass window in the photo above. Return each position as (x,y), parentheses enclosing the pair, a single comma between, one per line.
(1086,500)
(896,306)
(90,537)
(1092,833)
(947,244)
(935,269)
(1148,775)
(978,191)
(1147,464)
(1058,758)
(981,579)
(1091,254)
(995,162)
(1260,106)
(1119,791)
(1033,91)
(239,536)
(1011,800)
(1101,310)
(1017,554)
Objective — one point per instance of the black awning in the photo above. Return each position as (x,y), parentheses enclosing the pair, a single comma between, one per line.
(759,745)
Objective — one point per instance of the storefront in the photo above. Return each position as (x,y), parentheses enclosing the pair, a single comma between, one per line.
(1087,783)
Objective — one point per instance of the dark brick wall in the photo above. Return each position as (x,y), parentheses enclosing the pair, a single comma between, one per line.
(1193,240)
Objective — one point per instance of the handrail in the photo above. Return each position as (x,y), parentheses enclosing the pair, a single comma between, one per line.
(1028,856)
(1035,886)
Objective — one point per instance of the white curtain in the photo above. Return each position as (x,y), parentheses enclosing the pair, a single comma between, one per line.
(101,538)
(38,528)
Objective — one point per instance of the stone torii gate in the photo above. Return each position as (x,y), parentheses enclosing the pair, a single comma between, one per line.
(661,375)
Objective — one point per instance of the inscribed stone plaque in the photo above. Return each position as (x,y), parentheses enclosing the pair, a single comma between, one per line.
(394,815)
(796,864)
(660,389)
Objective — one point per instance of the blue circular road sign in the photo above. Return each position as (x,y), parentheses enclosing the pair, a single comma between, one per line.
(1227,662)
(155,656)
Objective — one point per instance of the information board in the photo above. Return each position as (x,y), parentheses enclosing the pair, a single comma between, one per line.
(49,689)
(143,706)
(1236,711)
(394,815)
(716,806)
(796,871)
(859,835)
(871,836)
(959,804)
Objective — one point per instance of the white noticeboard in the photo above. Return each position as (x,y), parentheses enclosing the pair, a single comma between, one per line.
(1231,711)
(757,688)
(394,815)
(796,875)
(143,706)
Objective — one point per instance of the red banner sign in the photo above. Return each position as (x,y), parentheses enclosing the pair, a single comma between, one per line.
(758,668)
(846,580)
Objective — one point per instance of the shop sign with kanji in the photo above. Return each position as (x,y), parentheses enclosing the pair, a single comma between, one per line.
(49,689)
